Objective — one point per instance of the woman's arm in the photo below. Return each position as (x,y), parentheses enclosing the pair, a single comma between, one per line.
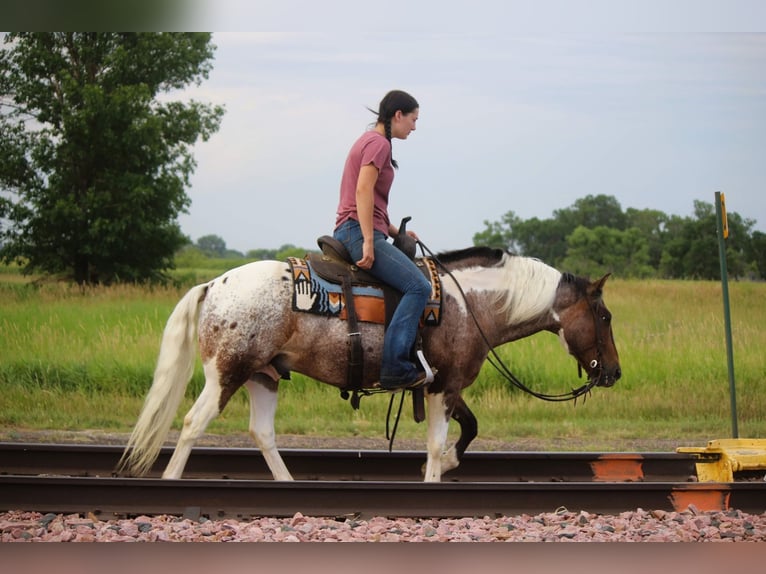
(365,203)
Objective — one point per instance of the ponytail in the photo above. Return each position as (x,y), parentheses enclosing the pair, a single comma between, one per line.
(387,125)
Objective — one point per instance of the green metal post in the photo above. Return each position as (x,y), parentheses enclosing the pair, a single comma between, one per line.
(720,224)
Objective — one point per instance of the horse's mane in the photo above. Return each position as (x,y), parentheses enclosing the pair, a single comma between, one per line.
(471,257)
(528,284)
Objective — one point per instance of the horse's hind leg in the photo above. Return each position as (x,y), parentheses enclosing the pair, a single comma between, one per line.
(205,409)
(263,406)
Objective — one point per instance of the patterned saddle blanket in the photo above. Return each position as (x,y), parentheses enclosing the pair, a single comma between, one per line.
(319,294)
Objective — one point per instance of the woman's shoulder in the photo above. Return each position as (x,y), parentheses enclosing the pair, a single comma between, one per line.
(371,136)
(370,142)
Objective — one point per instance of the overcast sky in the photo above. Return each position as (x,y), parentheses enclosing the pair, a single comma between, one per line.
(511,119)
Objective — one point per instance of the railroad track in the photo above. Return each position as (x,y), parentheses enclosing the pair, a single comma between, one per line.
(220,483)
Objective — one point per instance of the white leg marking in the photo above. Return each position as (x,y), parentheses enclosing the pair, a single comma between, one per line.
(438,425)
(204,410)
(263,406)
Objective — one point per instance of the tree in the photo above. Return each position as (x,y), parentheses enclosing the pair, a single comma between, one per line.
(289,250)
(739,252)
(594,235)
(546,238)
(757,253)
(542,238)
(212,245)
(592,211)
(498,234)
(592,252)
(93,166)
(651,223)
(691,250)
(674,247)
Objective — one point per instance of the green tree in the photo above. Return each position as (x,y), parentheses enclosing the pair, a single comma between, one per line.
(592,211)
(592,252)
(542,238)
(212,245)
(674,247)
(651,224)
(691,247)
(499,234)
(93,165)
(757,253)
(289,250)
(546,238)
(594,234)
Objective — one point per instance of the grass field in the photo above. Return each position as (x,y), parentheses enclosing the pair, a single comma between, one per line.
(73,359)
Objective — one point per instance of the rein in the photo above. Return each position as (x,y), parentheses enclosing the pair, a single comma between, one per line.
(502,368)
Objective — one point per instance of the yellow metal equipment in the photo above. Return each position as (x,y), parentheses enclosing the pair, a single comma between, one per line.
(720,459)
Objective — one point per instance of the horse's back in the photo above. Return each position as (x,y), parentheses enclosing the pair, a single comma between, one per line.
(252,282)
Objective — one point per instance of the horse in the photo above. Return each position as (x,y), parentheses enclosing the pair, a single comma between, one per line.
(249,334)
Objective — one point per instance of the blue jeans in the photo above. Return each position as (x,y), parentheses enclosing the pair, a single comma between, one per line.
(396,269)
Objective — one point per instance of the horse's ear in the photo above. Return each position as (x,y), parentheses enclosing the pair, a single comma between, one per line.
(597,287)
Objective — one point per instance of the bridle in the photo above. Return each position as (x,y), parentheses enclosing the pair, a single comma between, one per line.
(503,369)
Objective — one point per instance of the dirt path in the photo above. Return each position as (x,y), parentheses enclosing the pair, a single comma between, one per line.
(360,443)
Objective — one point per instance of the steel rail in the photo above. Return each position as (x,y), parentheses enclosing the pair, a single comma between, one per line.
(241,499)
(610,486)
(359,465)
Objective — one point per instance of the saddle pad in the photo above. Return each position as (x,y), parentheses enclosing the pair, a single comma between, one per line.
(314,294)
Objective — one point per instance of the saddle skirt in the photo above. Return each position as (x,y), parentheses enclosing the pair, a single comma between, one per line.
(318,289)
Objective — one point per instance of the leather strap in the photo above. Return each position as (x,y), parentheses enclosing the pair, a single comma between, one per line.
(355,373)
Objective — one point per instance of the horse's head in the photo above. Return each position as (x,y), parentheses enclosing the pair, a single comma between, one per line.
(586,328)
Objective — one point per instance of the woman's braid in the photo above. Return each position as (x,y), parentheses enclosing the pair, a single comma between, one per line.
(387,125)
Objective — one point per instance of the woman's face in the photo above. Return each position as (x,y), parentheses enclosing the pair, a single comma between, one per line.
(402,124)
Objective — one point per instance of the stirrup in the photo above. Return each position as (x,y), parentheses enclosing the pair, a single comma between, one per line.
(426,367)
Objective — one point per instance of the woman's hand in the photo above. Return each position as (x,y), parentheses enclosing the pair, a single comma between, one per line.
(368,255)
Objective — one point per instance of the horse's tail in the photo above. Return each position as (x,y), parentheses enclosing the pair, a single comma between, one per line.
(175,366)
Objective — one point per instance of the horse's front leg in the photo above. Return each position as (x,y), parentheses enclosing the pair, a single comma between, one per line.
(438,425)
(263,406)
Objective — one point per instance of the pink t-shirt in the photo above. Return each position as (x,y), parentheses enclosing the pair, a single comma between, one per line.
(370,148)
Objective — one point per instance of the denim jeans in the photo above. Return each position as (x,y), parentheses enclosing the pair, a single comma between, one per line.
(396,269)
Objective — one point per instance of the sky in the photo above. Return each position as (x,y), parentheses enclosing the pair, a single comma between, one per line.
(517,113)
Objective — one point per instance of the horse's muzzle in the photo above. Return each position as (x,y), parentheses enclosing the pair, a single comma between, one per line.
(608,377)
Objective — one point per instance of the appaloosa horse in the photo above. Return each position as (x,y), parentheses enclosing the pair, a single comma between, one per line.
(249,333)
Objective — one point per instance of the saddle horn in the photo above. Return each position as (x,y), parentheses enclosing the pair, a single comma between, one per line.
(404,242)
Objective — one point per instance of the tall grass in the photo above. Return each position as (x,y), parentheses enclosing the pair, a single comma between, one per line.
(73,359)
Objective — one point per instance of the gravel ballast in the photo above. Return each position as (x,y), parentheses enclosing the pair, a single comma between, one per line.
(562,526)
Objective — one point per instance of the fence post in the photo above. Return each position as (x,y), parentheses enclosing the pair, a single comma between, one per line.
(723,233)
